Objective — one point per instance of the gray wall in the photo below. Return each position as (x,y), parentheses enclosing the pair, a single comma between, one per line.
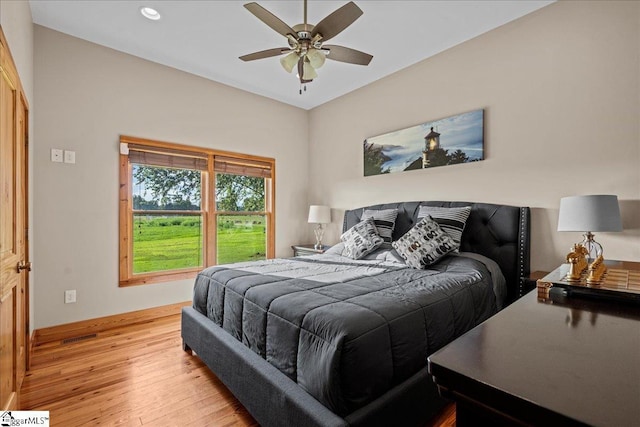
(560,89)
(561,92)
(15,18)
(88,95)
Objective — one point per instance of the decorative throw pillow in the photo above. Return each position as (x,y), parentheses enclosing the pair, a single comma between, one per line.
(424,244)
(451,220)
(360,239)
(385,221)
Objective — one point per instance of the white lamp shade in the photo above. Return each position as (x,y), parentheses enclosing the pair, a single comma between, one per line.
(319,214)
(308,72)
(289,61)
(589,213)
(316,58)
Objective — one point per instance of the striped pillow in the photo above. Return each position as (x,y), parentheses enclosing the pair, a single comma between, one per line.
(451,220)
(385,221)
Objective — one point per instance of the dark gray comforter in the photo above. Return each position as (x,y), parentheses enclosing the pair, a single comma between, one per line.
(346,331)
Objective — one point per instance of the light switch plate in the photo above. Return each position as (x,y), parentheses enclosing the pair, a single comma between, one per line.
(56,155)
(69,156)
(70,296)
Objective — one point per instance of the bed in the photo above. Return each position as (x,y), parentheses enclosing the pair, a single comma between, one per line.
(325,340)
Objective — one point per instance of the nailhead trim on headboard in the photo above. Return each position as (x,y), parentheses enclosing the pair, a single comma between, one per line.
(523,255)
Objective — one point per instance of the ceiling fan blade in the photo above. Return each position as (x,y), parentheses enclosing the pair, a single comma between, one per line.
(265,54)
(270,19)
(336,22)
(345,54)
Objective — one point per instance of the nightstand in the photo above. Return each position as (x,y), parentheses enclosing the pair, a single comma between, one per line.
(527,284)
(301,250)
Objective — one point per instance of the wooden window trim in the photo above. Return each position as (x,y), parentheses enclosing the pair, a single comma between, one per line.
(209,213)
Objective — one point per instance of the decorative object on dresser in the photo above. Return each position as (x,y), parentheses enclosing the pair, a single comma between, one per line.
(452,140)
(319,215)
(620,284)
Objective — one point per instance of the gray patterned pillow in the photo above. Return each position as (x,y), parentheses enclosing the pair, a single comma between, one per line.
(361,239)
(385,221)
(424,244)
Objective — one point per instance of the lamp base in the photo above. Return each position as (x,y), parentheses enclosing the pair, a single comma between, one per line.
(594,249)
(319,232)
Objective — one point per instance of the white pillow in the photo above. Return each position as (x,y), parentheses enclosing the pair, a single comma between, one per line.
(336,249)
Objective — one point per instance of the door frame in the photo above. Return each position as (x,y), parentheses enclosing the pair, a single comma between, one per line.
(22,194)
(27,234)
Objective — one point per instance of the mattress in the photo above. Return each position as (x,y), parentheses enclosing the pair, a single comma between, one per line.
(346,331)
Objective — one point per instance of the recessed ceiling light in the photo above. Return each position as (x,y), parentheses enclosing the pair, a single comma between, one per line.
(150,13)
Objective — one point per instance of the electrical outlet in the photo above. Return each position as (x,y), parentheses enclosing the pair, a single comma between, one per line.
(56,155)
(70,296)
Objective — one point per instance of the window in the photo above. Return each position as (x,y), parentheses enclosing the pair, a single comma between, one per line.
(240,209)
(185,208)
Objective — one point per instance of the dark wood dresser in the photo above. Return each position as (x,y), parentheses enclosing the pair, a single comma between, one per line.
(539,362)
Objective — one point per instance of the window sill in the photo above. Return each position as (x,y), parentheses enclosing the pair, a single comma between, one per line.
(165,276)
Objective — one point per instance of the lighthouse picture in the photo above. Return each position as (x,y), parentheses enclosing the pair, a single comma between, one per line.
(448,141)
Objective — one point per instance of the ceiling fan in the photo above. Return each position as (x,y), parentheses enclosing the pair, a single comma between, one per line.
(306,48)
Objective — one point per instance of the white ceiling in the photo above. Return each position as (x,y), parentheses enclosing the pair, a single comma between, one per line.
(207,37)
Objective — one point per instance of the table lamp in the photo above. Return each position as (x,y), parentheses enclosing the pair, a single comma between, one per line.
(319,215)
(587,214)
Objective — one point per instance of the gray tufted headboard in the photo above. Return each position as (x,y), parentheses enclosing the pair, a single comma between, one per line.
(498,232)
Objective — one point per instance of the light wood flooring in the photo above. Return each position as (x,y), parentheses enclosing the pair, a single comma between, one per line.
(135,375)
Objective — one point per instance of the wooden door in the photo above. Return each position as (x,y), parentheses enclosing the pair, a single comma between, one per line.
(13,238)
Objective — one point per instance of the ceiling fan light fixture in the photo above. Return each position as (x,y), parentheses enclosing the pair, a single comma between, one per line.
(306,52)
(150,13)
(308,72)
(316,58)
(289,61)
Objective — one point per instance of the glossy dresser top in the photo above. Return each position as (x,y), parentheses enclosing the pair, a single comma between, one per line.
(579,359)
